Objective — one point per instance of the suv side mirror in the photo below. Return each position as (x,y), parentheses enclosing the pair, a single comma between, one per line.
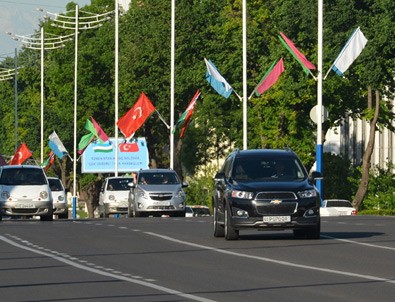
(315,175)
(219,176)
(184,184)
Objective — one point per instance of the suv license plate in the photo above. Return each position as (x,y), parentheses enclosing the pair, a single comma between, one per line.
(274,219)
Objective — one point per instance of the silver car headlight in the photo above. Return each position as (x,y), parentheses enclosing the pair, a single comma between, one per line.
(44,194)
(179,193)
(242,194)
(140,193)
(307,193)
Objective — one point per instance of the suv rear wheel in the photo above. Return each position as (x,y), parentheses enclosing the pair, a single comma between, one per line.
(230,232)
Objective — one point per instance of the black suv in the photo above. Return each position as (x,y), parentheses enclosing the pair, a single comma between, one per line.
(265,189)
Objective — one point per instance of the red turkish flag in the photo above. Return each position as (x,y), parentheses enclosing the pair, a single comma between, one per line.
(22,154)
(129,147)
(136,116)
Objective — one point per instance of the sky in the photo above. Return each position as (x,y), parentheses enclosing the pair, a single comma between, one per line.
(21,17)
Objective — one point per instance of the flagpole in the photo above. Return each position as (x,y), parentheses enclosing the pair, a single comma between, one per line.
(173,6)
(245,74)
(319,149)
(116,84)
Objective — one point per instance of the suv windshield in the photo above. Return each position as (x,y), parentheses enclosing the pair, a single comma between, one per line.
(23,176)
(158,178)
(257,168)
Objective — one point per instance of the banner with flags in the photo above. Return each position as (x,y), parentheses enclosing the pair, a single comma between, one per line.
(270,77)
(184,120)
(56,145)
(306,64)
(216,80)
(349,53)
(132,120)
(21,154)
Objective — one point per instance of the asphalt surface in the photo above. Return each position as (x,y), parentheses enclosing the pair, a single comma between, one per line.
(178,259)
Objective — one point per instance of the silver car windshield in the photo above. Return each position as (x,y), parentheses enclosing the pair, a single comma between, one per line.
(158,178)
(23,176)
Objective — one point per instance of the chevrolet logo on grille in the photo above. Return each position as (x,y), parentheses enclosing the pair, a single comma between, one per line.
(276,201)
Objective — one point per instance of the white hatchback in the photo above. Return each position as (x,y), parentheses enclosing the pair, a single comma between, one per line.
(337,207)
(25,192)
(113,198)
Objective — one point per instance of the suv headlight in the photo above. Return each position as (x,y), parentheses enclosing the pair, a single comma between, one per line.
(307,193)
(242,194)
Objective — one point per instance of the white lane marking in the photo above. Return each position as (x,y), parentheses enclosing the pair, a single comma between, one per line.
(108,274)
(286,263)
(360,243)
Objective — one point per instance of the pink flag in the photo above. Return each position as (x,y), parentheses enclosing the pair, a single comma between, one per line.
(271,77)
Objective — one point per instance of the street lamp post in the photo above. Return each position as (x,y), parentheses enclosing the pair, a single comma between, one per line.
(41,43)
(77,22)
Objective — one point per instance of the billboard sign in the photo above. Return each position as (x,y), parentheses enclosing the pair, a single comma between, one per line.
(100,158)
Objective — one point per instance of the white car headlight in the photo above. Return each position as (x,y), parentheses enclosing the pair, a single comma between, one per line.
(44,194)
(111,197)
(5,195)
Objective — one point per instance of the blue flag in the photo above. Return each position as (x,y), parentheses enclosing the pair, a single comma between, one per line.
(216,80)
(56,145)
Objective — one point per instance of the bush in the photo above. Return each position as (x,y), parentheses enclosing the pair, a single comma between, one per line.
(201,187)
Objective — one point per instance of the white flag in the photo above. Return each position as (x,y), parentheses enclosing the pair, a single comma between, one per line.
(350,52)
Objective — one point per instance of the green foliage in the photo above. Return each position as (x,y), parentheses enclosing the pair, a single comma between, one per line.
(338,177)
(200,187)
(381,190)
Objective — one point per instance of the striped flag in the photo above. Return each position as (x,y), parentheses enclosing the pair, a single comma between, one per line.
(216,80)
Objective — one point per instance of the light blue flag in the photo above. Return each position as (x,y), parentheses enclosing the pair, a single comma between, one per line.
(349,53)
(56,145)
(216,80)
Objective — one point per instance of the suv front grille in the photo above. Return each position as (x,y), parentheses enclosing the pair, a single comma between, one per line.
(276,203)
(161,196)
(276,195)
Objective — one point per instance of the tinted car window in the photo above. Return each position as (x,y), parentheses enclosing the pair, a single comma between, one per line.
(158,178)
(23,176)
(258,168)
(338,203)
(118,184)
(55,185)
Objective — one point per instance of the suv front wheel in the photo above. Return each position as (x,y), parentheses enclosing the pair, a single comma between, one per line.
(218,228)
(230,232)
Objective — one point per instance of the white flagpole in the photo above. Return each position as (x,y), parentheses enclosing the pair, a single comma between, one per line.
(116,84)
(319,149)
(173,8)
(244,74)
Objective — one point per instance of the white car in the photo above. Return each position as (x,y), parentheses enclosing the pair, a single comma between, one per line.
(113,198)
(197,210)
(25,192)
(337,207)
(60,206)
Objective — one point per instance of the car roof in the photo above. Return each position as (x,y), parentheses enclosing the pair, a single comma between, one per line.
(20,166)
(268,152)
(156,171)
(119,177)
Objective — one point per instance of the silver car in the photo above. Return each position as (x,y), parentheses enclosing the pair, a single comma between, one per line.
(157,192)
(113,198)
(24,191)
(60,206)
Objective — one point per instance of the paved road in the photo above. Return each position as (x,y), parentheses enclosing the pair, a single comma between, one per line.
(169,259)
